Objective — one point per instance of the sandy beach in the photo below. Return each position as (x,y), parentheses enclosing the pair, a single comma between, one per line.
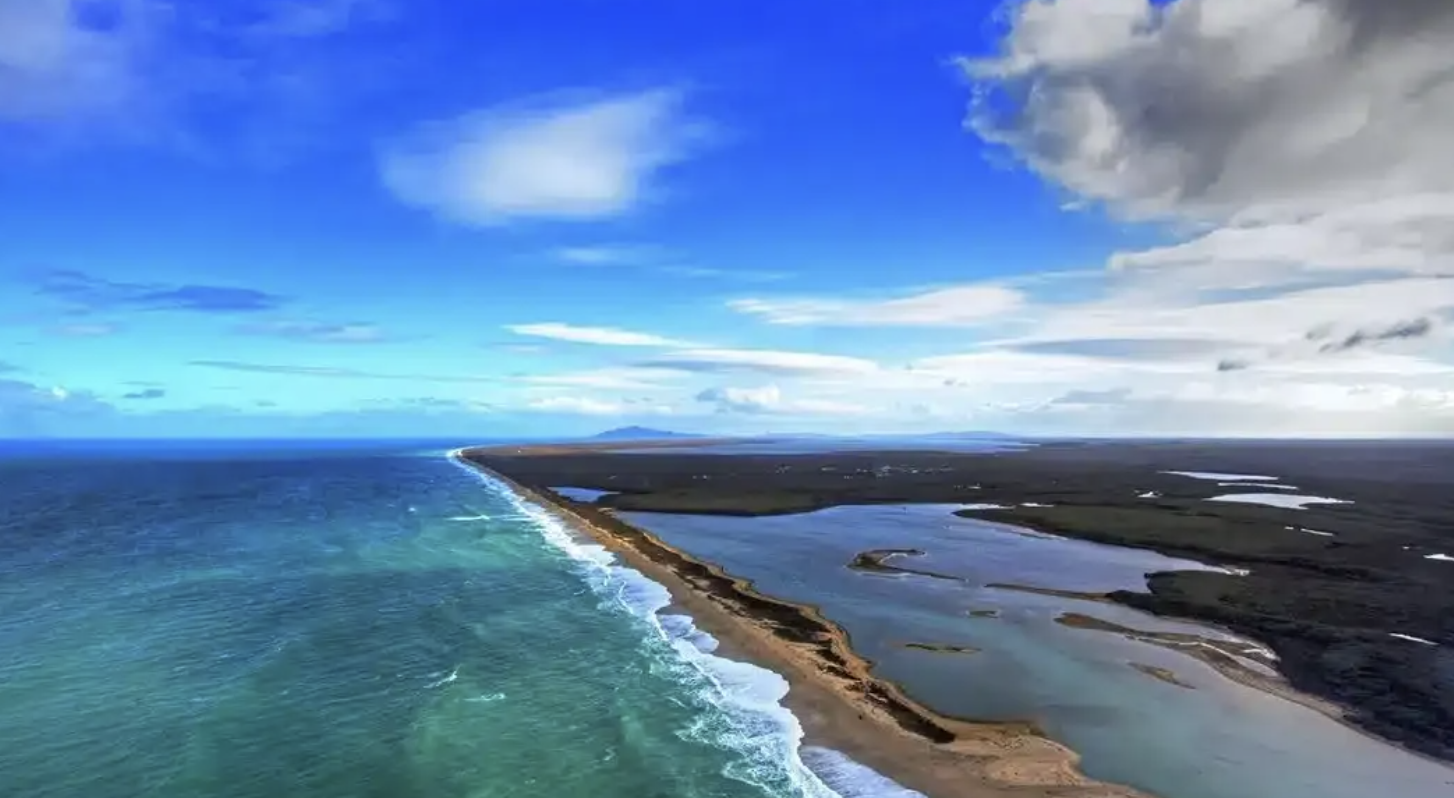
(839,702)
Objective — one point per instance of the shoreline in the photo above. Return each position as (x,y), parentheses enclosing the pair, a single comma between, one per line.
(832,691)
(1364,588)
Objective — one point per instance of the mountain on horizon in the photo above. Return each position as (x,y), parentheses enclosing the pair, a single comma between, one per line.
(640,434)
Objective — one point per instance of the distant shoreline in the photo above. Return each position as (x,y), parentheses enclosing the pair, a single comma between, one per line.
(833,692)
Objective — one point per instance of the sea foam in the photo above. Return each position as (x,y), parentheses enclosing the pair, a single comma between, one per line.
(749,716)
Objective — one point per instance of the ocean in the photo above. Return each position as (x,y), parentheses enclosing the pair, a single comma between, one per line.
(353,620)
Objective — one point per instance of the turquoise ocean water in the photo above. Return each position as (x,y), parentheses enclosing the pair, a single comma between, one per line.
(290,620)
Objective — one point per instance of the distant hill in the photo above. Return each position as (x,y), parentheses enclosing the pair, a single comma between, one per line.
(640,434)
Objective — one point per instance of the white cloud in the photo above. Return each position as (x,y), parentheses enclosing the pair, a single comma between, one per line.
(763,361)
(1402,234)
(945,307)
(160,73)
(590,406)
(1300,149)
(53,64)
(1221,108)
(542,158)
(576,405)
(27,409)
(1257,321)
(600,336)
(604,254)
(710,273)
(769,399)
(609,378)
(999,367)
(1301,138)
(1213,407)
(743,400)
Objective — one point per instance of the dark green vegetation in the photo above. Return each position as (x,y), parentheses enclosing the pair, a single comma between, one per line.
(1327,605)
(941,648)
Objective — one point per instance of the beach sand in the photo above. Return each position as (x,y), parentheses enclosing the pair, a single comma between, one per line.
(832,692)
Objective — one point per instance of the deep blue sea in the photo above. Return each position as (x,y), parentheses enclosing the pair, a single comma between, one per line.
(321,621)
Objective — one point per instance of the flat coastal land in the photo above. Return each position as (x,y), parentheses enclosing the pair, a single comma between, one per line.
(1356,599)
(833,694)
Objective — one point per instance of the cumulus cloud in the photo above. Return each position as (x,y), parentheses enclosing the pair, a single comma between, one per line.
(769,399)
(30,410)
(945,307)
(550,158)
(591,406)
(1296,148)
(762,361)
(743,400)
(1300,146)
(1253,109)
(600,336)
(436,404)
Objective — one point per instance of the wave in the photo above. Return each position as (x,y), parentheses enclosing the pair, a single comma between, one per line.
(443,680)
(749,716)
(850,779)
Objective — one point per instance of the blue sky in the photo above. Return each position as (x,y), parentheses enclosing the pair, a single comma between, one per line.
(372,217)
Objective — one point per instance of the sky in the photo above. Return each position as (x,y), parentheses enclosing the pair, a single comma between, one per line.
(378,218)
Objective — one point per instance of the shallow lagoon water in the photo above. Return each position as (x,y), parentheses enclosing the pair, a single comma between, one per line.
(580,494)
(1220,740)
(1283,500)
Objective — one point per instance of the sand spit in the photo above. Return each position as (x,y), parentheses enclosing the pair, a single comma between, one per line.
(833,692)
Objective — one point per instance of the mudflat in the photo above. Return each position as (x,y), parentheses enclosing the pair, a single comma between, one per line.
(1356,599)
